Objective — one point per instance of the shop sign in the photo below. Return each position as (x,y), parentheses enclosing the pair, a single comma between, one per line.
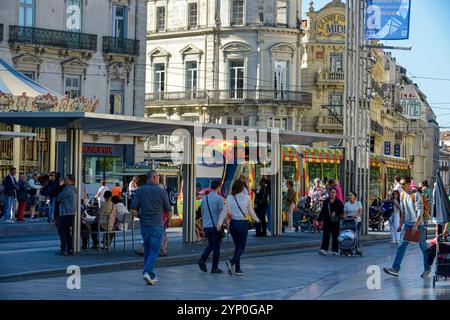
(387,148)
(331,25)
(98,150)
(388,20)
(397,150)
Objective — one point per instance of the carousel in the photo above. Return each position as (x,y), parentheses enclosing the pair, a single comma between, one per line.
(18,93)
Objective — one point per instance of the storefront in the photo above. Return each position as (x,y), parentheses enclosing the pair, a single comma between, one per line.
(376,177)
(100,162)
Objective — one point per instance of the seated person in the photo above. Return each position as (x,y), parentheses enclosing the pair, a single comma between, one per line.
(304,205)
(121,211)
(109,209)
(444,248)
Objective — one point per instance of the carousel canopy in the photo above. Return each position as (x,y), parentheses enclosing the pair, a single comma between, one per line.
(20,93)
(16,83)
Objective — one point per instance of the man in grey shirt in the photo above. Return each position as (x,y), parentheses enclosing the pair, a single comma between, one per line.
(212,206)
(149,204)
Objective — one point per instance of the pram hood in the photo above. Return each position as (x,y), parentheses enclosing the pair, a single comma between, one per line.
(348,224)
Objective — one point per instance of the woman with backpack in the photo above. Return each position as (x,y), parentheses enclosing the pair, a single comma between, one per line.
(238,205)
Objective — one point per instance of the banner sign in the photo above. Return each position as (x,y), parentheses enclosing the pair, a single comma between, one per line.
(397,150)
(387,148)
(388,20)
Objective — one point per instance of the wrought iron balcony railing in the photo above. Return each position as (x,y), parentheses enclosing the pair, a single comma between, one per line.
(233,96)
(53,38)
(376,127)
(330,123)
(121,46)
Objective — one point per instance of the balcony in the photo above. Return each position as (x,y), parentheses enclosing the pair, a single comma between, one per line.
(376,127)
(122,46)
(231,96)
(52,38)
(330,123)
(330,78)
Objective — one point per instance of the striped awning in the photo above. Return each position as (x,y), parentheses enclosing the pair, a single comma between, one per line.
(322,155)
(290,153)
(396,162)
(375,161)
(16,83)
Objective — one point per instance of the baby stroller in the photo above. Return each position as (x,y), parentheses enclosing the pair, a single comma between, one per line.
(306,220)
(443,260)
(349,238)
(376,221)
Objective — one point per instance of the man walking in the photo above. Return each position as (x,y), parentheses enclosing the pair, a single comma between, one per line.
(212,206)
(10,188)
(411,216)
(68,207)
(149,204)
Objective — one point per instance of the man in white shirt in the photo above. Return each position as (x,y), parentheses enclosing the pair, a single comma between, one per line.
(101,193)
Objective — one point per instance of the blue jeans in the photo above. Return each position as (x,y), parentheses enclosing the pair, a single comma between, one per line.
(402,248)
(152,237)
(8,209)
(213,245)
(239,232)
(51,212)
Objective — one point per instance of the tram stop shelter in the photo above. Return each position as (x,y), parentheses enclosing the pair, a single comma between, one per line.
(75,123)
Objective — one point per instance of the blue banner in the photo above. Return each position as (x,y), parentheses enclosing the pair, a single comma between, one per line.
(387,148)
(387,20)
(397,150)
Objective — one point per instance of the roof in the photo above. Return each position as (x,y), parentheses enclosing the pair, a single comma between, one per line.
(139,126)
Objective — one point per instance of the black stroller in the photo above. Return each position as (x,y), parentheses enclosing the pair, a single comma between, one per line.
(376,220)
(443,259)
(349,238)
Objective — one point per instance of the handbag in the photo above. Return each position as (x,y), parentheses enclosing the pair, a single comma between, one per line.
(250,224)
(221,233)
(412,237)
(332,219)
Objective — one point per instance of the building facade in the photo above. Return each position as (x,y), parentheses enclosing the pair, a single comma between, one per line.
(233,62)
(79,48)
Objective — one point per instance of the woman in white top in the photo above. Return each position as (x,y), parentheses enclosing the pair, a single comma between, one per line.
(394,220)
(353,209)
(238,205)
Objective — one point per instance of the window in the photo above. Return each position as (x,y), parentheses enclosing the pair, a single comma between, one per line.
(237,13)
(116,97)
(29,74)
(72,86)
(415,108)
(282,12)
(73,15)
(191,77)
(237,120)
(277,122)
(26,13)
(120,15)
(160,19)
(160,79)
(192,15)
(336,62)
(336,104)
(280,79)
(236,74)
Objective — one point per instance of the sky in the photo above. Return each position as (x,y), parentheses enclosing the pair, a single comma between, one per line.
(430,55)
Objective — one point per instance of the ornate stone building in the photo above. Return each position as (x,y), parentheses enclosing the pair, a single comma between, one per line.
(231,61)
(79,48)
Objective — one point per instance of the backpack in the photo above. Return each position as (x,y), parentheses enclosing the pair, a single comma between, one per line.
(426,206)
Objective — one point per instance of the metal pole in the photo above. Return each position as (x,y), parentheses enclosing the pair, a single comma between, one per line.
(189,195)
(276,189)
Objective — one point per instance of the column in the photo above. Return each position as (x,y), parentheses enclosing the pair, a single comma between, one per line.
(73,166)
(189,195)
(16,149)
(275,188)
(52,149)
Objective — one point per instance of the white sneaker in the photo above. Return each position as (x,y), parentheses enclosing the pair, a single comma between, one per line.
(335,253)
(148,280)
(425,274)
(322,252)
(393,242)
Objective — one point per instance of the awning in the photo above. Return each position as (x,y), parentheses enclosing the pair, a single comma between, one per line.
(139,126)
(290,153)
(322,155)
(375,161)
(396,162)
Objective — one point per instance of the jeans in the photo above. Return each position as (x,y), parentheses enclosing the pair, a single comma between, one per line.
(8,210)
(290,217)
(65,224)
(239,232)
(330,228)
(394,223)
(51,212)
(152,237)
(213,245)
(404,244)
